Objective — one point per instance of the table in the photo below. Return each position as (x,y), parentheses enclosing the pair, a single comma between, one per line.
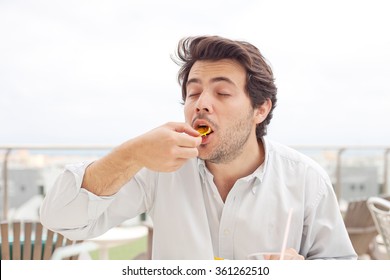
(118,236)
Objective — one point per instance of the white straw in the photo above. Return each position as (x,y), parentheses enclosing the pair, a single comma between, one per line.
(287,229)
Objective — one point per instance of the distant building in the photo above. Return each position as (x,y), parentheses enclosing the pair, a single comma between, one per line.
(359,182)
(23,184)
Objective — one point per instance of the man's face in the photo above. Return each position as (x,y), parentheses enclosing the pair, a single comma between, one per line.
(216,97)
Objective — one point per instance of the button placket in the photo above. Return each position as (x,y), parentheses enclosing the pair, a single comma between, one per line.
(228,222)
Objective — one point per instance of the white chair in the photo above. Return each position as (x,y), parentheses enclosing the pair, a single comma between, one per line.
(380,211)
(78,249)
(360,226)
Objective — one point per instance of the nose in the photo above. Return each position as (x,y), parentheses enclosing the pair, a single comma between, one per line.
(204,103)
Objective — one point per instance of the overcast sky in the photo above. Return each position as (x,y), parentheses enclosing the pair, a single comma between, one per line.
(100,72)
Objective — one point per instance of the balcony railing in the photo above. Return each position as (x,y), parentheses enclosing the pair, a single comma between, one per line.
(339,150)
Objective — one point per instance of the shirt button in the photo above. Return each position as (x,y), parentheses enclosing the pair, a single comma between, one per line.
(226,231)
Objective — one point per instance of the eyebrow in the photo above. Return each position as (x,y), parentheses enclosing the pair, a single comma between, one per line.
(213,80)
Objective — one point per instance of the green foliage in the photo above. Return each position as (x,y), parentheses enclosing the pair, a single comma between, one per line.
(124,252)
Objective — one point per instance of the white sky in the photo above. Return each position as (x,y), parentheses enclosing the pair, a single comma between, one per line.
(100,72)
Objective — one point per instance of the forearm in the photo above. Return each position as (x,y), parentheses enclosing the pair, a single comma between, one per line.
(164,149)
(107,175)
(79,214)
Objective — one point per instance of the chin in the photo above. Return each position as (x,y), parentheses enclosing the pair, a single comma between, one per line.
(202,155)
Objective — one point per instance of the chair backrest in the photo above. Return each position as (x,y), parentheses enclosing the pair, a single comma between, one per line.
(360,226)
(30,241)
(380,210)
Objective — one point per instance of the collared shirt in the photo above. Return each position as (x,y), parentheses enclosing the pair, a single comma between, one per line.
(191,221)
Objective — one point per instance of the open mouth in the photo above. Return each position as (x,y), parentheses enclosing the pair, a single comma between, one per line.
(204,130)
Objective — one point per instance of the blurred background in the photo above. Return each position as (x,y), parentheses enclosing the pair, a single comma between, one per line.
(79,77)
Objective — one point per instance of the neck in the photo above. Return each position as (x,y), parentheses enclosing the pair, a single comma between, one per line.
(226,174)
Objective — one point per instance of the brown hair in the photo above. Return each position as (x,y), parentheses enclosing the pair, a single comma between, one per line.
(260,84)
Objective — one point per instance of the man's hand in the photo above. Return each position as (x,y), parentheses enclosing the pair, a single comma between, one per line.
(163,149)
(168,147)
(290,254)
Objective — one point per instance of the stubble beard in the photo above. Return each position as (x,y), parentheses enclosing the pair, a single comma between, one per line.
(231,142)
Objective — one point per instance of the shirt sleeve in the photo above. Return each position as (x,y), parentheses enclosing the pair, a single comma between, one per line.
(324,233)
(79,214)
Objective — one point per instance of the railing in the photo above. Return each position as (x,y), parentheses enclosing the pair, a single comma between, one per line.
(9,148)
(340,150)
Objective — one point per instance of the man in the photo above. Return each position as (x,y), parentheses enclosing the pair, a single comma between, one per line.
(226,194)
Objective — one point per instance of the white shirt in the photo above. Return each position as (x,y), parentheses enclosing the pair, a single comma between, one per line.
(192,222)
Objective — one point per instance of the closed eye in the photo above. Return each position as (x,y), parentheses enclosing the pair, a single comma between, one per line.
(193,95)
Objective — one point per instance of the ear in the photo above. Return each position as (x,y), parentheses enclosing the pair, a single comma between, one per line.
(262,111)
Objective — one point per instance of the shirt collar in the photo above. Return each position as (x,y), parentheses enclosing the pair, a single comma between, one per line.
(202,168)
(258,173)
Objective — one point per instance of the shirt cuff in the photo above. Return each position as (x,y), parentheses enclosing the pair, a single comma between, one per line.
(96,204)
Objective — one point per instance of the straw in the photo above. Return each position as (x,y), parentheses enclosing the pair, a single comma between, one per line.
(286,231)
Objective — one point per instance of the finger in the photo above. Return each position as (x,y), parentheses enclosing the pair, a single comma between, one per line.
(291,251)
(187,153)
(185,140)
(184,127)
(272,257)
(294,255)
